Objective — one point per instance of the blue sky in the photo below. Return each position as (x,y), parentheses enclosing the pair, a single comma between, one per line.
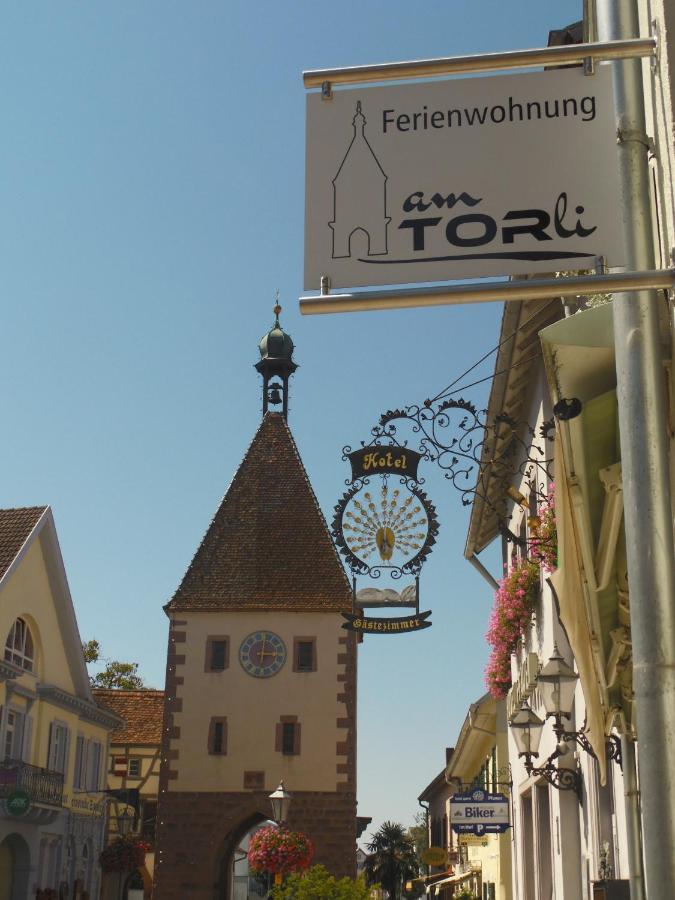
(152,183)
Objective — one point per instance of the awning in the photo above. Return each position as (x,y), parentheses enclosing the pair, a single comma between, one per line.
(579,361)
(451,881)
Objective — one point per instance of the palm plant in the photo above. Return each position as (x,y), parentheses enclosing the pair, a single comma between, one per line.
(392,860)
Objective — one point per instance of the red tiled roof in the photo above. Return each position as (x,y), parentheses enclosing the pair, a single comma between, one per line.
(142,712)
(268,546)
(15,527)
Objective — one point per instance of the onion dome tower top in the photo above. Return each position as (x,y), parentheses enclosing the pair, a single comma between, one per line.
(276,361)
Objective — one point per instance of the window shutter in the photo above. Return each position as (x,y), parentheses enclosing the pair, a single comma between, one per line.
(51,752)
(65,754)
(96,776)
(27,738)
(79,763)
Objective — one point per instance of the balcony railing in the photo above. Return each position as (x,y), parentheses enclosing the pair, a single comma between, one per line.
(41,785)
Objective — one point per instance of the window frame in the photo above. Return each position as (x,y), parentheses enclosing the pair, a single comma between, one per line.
(281,746)
(60,749)
(297,642)
(136,760)
(217,725)
(208,655)
(18,732)
(93,770)
(25,661)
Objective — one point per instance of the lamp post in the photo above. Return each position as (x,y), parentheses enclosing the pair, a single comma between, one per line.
(280,801)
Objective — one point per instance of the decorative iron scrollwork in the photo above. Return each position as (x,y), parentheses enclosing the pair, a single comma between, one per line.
(475,452)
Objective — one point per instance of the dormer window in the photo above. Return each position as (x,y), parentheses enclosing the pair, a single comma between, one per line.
(19,648)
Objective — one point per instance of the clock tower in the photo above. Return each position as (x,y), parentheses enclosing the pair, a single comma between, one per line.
(261,677)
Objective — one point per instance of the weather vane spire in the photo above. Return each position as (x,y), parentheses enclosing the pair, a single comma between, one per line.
(277,308)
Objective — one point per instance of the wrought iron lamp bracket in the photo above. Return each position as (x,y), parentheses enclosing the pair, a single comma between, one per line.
(614,750)
(559,777)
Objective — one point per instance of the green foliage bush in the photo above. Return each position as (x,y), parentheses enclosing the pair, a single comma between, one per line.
(318,884)
(465,894)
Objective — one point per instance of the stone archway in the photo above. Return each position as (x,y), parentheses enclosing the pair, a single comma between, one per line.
(234,879)
(15,868)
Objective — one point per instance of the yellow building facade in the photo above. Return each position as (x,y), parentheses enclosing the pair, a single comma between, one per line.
(53,736)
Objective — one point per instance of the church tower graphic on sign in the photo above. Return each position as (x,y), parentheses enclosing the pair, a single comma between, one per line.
(261,676)
(359,196)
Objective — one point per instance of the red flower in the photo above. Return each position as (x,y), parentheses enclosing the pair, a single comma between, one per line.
(124,854)
(279,851)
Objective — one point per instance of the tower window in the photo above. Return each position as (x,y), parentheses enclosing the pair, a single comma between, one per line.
(288,736)
(217,657)
(304,654)
(218,736)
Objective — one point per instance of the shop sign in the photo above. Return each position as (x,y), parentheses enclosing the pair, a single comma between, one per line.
(372,625)
(472,840)
(17,803)
(385,527)
(381,460)
(479,812)
(434,856)
(463,178)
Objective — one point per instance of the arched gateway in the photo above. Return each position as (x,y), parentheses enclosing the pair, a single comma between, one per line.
(236,881)
(261,676)
(14,868)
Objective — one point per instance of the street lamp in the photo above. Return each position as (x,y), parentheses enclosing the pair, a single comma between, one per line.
(125,820)
(557,683)
(280,801)
(527,729)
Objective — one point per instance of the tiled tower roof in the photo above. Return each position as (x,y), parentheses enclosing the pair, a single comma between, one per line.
(268,546)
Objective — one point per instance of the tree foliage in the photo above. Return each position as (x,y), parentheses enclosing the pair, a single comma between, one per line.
(120,675)
(419,834)
(318,884)
(392,860)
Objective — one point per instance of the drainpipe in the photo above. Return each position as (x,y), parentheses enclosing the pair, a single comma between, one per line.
(478,565)
(644,451)
(632,805)
(426,819)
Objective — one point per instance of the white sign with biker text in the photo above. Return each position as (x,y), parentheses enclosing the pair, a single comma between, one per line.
(462,178)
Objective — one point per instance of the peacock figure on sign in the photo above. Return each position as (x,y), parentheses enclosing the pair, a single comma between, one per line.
(387,525)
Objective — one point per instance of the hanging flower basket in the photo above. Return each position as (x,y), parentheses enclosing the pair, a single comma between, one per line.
(544,543)
(124,854)
(279,851)
(511,615)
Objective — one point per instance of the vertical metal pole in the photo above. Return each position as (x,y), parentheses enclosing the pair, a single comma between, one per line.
(632,804)
(646,489)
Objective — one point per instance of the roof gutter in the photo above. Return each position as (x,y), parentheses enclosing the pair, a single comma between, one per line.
(480,568)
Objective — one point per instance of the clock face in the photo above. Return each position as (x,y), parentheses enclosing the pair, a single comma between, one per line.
(262,654)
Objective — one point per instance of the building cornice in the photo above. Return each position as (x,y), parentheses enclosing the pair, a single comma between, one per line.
(8,671)
(87,711)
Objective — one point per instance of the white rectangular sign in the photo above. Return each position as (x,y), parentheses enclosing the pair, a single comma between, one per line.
(463,178)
